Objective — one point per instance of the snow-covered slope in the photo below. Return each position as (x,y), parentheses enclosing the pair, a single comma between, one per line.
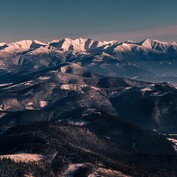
(20,46)
(2,44)
(63,119)
(149,60)
(81,45)
(158,45)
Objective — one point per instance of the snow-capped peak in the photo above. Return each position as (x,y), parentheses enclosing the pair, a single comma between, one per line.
(77,45)
(130,42)
(21,46)
(84,45)
(147,43)
(158,45)
(39,42)
(2,44)
(26,43)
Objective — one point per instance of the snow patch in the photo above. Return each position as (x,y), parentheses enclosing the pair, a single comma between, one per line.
(43,104)
(90,111)
(2,44)
(82,123)
(95,88)
(107,172)
(149,88)
(63,69)
(30,106)
(40,50)
(71,169)
(24,157)
(78,87)
(28,83)
(2,114)
(65,87)
(5,84)
(43,78)
(174,141)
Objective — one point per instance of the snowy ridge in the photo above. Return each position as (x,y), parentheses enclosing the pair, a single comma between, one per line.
(82,45)
(2,44)
(79,45)
(109,58)
(23,157)
(21,46)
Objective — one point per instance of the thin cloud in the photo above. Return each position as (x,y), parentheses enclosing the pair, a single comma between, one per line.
(158,32)
(162,33)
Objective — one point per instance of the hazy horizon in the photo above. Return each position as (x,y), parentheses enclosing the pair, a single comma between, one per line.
(109,20)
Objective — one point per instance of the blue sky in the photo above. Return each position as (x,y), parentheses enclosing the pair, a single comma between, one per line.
(100,19)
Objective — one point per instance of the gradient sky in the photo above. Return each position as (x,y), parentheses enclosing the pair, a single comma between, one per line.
(99,19)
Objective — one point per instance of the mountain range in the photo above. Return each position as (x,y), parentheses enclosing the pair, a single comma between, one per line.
(148,60)
(88,108)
